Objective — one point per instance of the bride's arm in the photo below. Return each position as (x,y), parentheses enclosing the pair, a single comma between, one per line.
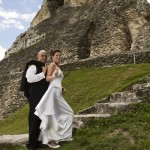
(50,73)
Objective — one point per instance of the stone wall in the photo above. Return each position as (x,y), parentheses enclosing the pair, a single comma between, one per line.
(25,40)
(110,60)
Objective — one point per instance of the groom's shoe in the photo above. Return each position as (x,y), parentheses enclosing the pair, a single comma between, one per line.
(40,145)
(29,147)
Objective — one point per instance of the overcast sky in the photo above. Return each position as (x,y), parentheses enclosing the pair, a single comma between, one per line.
(15,18)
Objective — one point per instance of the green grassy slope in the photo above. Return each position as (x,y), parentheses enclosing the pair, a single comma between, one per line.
(129,131)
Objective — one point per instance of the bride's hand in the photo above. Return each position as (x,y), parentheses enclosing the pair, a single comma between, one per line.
(63,90)
(55,73)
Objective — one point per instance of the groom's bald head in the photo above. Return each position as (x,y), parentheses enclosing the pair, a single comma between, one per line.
(42,56)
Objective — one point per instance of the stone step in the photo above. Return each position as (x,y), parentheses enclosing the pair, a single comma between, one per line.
(126,96)
(89,110)
(109,107)
(138,87)
(112,107)
(142,90)
(91,116)
(79,120)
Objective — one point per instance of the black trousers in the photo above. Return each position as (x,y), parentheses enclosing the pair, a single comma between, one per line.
(34,123)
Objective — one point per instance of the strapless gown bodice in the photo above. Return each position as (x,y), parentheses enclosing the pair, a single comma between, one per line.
(57,80)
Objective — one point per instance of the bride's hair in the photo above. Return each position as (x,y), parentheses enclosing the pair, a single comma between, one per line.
(52,53)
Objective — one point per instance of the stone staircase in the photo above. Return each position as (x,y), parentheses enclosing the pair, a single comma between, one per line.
(116,102)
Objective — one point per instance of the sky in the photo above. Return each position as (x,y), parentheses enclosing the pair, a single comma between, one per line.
(15,18)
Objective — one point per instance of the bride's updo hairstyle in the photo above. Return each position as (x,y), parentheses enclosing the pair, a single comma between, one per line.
(52,53)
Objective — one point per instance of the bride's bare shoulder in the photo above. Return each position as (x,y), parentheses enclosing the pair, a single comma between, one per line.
(52,64)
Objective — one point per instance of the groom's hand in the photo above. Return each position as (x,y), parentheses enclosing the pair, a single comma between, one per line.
(44,69)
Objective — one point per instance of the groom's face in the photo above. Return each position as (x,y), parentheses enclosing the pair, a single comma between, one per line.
(42,57)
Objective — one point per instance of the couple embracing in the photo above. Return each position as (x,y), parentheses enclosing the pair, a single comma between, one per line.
(50,117)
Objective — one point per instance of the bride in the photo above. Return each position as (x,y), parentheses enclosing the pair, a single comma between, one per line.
(55,113)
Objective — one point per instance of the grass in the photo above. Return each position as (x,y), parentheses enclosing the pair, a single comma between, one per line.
(16,123)
(128,131)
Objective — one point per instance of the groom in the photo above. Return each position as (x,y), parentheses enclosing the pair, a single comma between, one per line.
(34,86)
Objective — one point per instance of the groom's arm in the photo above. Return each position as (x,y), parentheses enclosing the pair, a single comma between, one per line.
(32,76)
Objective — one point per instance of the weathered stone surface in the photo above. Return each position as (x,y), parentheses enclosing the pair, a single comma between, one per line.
(81,119)
(25,40)
(43,14)
(48,9)
(11,99)
(14,139)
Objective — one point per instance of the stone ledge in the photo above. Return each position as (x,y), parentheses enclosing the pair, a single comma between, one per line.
(14,139)
(79,120)
(91,115)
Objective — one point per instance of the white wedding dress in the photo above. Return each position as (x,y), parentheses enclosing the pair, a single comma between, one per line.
(55,113)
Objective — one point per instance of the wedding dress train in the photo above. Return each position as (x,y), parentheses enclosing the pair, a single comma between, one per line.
(55,113)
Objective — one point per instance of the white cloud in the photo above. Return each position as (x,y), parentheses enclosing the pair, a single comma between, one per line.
(10,21)
(148,1)
(39,7)
(0,2)
(27,17)
(8,14)
(14,19)
(2,52)
(18,25)
(5,24)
